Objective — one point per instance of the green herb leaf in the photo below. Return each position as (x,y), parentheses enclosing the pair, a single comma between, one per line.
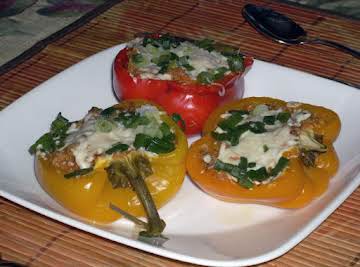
(159,146)
(269,120)
(154,144)
(54,139)
(137,59)
(142,140)
(165,41)
(235,171)
(206,44)
(231,122)
(283,117)
(222,166)
(251,164)
(103,125)
(258,175)
(226,50)
(243,164)
(178,119)
(45,144)
(108,112)
(220,73)
(59,126)
(235,63)
(235,111)
(132,119)
(117,147)
(265,148)
(257,127)
(183,62)
(280,166)
(205,77)
(79,172)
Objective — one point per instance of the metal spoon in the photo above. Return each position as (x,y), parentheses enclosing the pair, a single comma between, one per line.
(284,30)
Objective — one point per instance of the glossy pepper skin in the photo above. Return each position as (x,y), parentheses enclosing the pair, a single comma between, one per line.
(89,196)
(193,101)
(297,186)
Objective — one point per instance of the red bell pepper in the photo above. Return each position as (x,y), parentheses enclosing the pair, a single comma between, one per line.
(192,101)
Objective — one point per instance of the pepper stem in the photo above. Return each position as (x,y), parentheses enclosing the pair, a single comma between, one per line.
(136,167)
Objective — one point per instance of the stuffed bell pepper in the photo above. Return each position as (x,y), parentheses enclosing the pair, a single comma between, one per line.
(130,156)
(187,77)
(267,151)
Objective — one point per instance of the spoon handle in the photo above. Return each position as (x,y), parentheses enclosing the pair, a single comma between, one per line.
(343,48)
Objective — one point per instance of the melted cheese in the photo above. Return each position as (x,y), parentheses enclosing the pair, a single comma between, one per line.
(88,143)
(265,149)
(200,59)
(251,146)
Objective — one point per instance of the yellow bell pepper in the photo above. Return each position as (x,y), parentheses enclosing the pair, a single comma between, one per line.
(297,184)
(90,195)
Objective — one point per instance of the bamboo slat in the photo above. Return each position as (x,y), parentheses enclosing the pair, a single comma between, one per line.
(34,240)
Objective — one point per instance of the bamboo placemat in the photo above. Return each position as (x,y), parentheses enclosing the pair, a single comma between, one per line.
(34,240)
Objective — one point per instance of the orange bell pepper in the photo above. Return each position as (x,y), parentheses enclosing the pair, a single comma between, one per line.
(297,184)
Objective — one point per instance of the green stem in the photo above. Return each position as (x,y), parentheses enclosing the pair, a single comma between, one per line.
(135,167)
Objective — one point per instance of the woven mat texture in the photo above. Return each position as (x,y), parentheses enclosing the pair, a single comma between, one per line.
(34,240)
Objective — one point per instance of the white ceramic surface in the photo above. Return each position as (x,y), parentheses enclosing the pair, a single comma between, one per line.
(200,229)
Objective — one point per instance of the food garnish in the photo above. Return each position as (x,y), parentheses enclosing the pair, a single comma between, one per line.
(130,156)
(182,75)
(264,150)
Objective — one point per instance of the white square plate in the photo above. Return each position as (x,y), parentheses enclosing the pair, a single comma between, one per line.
(200,229)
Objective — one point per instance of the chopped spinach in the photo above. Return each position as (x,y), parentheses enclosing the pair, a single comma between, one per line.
(206,44)
(280,166)
(116,148)
(54,139)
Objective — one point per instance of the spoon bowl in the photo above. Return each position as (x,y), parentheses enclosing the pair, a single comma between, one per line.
(284,30)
